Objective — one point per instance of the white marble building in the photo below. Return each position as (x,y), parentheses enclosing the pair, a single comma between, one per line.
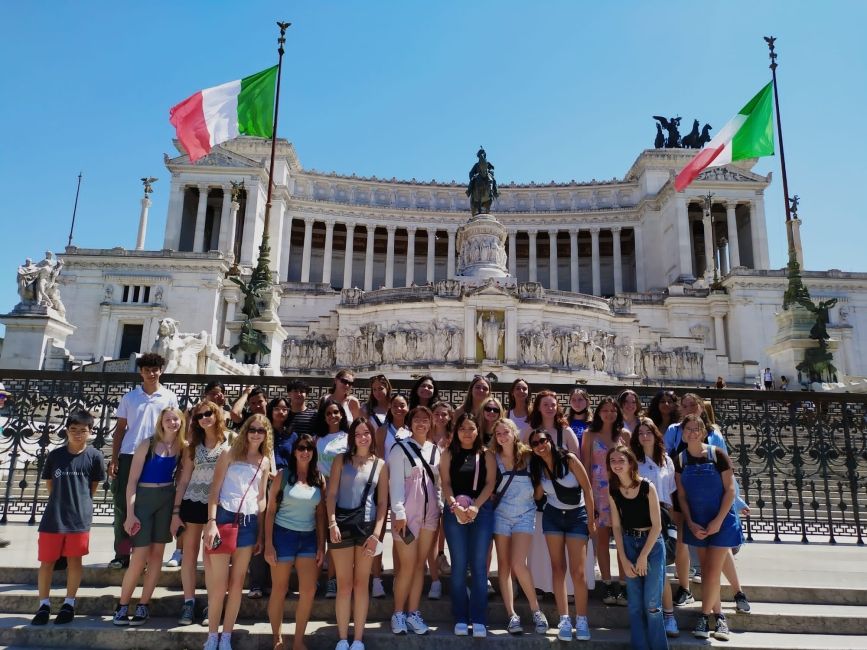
(603,283)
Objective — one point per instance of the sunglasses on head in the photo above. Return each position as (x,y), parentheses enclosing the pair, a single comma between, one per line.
(539,441)
(492,409)
(203,414)
(260,430)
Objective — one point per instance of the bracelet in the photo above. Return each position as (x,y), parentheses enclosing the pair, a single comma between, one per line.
(211,519)
(333,524)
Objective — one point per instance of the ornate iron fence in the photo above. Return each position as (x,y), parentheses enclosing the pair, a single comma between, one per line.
(801,458)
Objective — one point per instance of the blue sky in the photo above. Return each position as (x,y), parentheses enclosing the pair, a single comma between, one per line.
(553,90)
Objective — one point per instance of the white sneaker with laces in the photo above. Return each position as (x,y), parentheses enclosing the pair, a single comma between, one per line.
(398,623)
(225,641)
(582,628)
(479,631)
(415,623)
(540,622)
(176,559)
(343,644)
(377,589)
(212,643)
(461,629)
(436,590)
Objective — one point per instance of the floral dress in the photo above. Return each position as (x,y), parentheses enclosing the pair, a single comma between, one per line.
(599,482)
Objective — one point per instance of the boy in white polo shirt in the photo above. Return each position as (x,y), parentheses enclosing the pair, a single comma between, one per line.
(137,416)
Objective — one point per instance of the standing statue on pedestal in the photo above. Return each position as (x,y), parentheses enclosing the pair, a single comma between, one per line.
(491,334)
(482,188)
(37,283)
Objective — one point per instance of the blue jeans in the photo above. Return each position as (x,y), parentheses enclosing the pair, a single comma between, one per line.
(646,625)
(468,547)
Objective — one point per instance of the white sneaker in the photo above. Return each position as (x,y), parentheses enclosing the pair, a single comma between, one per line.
(343,644)
(213,642)
(461,629)
(357,645)
(225,641)
(398,623)
(436,590)
(564,629)
(479,631)
(176,559)
(377,589)
(415,623)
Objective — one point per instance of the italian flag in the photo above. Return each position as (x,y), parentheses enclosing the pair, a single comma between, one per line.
(218,114)
(749,134)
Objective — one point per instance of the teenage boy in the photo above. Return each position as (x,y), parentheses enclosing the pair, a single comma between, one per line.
(137,416)
(253,401)
(72,474)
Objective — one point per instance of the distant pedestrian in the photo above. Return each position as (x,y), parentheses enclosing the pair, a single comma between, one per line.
(768,379)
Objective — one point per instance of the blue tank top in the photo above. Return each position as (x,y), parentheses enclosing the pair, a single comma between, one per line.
(158,469)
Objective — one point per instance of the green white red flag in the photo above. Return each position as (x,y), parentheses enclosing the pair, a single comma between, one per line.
(218,114)
(749,134)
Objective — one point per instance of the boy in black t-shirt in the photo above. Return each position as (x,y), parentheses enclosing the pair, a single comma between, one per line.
(73,474)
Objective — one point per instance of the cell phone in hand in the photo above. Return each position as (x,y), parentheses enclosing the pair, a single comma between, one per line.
(407,536)
(216,543)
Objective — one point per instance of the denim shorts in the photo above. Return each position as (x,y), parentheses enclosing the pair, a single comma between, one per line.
(507,522)
(248,526)
(292,544)
(571,523)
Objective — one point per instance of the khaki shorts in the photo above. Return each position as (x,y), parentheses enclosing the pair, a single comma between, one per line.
(153,507)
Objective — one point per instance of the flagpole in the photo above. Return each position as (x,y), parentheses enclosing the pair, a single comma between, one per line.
(280,42)
(773,56)
(74,210)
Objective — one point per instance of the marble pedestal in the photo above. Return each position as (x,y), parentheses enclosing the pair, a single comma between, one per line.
(32,331)
(792,342)
(481,245)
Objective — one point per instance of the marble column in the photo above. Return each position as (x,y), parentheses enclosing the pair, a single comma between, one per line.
(684,245)
(368,257)
(732,224)
(348,253)
(759,233)
(796,240)
(142,223)
(305,256)
(450,265)
(285,246)
(175,215)
(328,252)
(594,247)
(708,246)
(721,258)
(532,264)
(573,261)
(553,279)
(230,237)
(618,260)
(389,257)
(410,256)
(431,255)
(199,241)
(513,253)
(640,280)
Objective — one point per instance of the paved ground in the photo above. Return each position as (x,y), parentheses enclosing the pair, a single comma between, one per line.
(785,564)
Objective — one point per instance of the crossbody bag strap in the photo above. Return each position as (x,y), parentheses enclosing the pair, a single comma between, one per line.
(369,481)
(476,474)
(499,495)
(424,463)
(255,474)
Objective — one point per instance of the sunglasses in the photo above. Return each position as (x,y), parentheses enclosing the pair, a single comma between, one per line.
(492,409)
(539,441)
(304,449)
(258,430)
(203,414)
(346,382)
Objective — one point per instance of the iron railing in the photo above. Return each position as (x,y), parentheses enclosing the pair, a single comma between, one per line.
(800,458)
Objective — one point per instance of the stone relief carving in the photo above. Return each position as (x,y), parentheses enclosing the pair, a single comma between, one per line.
(401,343)
(564,347)
(179,349)
(109,293)
(530,291)
(621,305)
(352,296)
(700,332)
(679,363)
(316,351)
(450,288)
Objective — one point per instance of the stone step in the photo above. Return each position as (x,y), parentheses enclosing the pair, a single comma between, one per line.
(765,617)
(97,633)
(102,576)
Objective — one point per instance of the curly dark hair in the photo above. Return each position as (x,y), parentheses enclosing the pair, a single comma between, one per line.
(655,414)
(150,360)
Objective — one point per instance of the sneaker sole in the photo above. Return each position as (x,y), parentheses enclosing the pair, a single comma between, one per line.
(120,623)
(720,637)
(582,638)
(137,623)
(701,635)
(419,632)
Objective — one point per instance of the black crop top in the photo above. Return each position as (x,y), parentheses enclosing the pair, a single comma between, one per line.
(463,470)
(634,513)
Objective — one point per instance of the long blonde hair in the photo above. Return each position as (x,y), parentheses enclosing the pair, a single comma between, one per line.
(240,445)
(160,434)
(520,452)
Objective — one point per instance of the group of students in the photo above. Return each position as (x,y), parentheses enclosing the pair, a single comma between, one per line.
(299,487)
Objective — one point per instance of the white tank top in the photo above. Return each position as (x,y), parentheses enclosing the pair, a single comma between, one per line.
(239,477)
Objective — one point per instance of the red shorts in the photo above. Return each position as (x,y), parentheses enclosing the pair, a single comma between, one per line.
(53,546)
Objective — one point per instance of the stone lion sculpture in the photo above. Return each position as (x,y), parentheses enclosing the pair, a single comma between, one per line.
(179,349)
